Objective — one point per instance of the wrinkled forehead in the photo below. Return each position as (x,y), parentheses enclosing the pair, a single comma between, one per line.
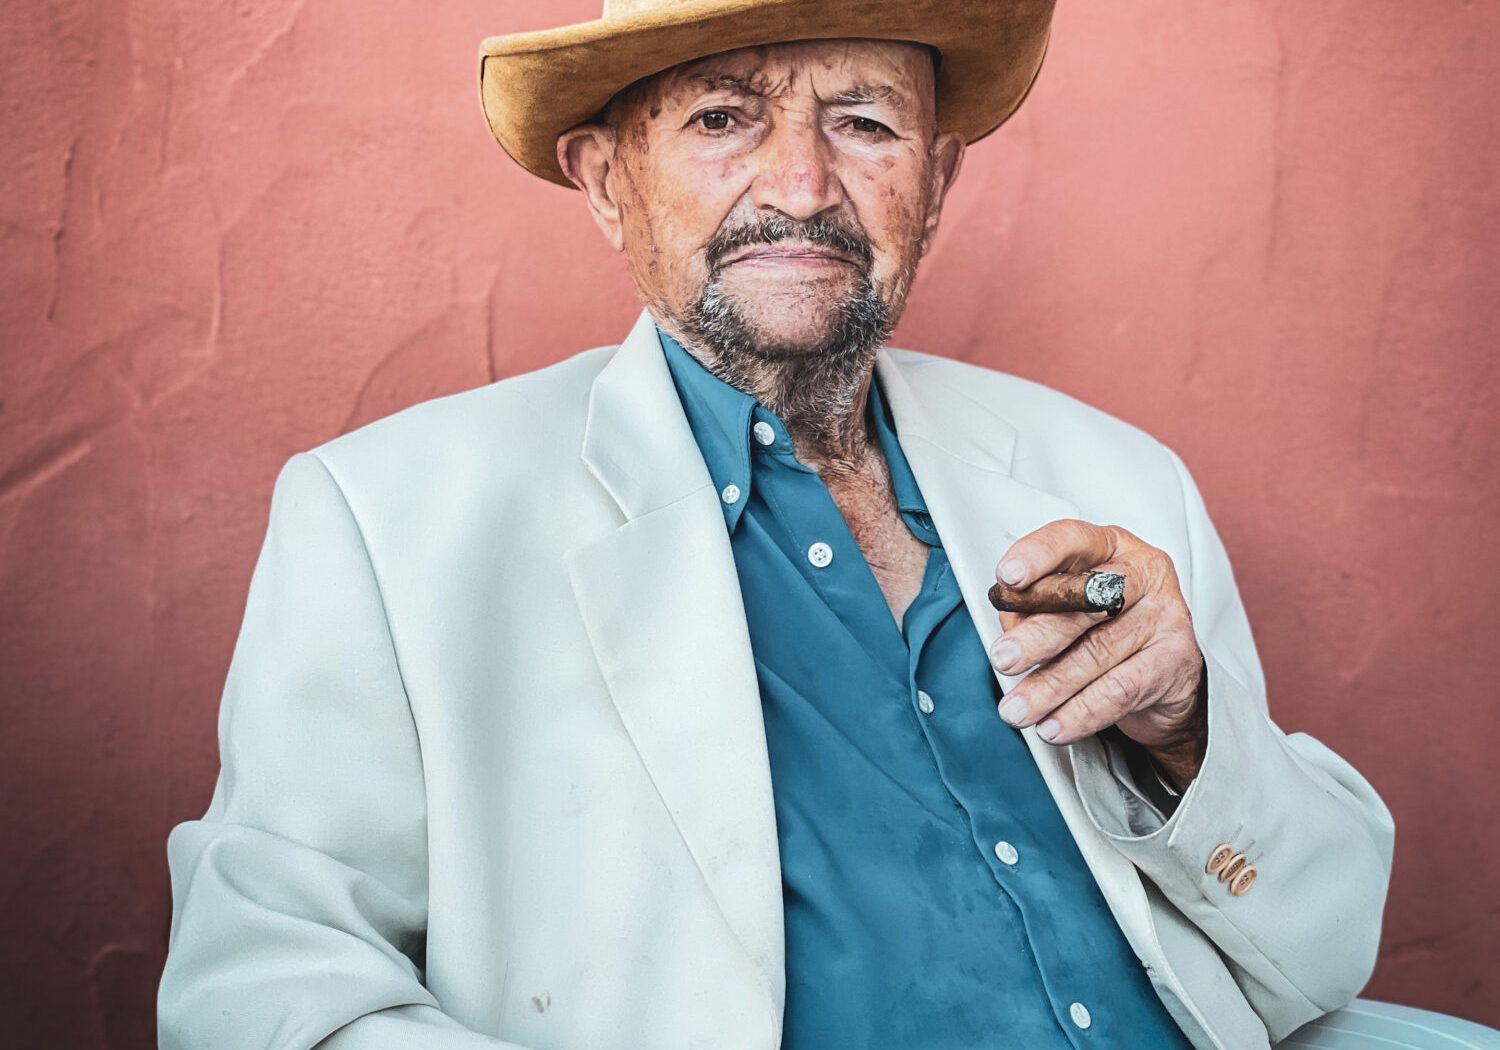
(899,72)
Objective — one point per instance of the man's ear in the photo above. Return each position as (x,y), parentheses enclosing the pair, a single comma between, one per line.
(947,157)
(586,153)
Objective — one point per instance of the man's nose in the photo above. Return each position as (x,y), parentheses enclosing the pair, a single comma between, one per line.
(796,173)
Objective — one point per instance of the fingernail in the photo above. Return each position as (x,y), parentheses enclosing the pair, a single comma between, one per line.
(1005,654)
(1048,729)
(1013,709)
(1013,571)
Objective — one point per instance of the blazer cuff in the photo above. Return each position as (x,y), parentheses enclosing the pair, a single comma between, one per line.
(1171,839)
(1304,931)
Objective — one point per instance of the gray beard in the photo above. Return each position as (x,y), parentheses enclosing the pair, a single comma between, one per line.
(811,390)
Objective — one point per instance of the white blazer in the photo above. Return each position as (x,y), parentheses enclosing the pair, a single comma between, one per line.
(494,771)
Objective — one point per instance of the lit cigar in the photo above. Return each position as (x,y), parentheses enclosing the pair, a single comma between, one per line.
(1064,592)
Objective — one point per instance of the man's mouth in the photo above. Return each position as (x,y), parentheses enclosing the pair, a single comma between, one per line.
(789,254)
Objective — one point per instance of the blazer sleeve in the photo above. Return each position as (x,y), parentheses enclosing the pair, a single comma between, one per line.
(299,899)
(1302,940)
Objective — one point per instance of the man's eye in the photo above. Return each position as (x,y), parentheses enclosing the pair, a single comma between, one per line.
(866,126)
(714,120)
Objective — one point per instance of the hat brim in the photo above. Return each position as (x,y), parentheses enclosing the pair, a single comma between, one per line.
(534,86)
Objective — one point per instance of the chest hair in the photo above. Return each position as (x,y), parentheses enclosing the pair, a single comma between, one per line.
(898,558)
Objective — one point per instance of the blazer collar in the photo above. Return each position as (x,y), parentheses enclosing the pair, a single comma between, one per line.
(639,446)
(636,439)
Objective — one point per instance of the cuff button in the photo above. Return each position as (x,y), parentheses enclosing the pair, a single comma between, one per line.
(1243,881)
(1218,858)
(1232,869)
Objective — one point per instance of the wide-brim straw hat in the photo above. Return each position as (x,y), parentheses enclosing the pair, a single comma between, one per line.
(534,86)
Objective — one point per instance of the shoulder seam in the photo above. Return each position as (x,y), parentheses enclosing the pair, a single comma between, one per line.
(380,596)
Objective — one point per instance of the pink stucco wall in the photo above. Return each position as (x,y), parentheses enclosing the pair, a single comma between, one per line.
(1264,231)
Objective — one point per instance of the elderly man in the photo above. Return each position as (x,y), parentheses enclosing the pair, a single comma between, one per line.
(654,699)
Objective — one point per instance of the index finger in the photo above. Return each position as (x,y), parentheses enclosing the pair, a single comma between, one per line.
(1064,545)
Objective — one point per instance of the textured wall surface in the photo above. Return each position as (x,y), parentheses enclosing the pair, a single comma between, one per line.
(1263,231)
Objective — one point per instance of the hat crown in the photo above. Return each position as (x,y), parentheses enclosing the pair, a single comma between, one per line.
(628,8)
(537,84)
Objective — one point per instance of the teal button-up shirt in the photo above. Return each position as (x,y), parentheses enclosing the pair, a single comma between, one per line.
(933,895)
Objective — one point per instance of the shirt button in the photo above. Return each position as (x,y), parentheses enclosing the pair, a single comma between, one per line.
(1006,852)
(1080,1015)
(820,554)
(924,703)
(731,494)
(764,432)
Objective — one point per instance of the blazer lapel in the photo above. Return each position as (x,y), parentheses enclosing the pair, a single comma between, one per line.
(961,454)
(660,599)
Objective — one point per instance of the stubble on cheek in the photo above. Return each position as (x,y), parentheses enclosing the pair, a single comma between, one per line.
(906,218)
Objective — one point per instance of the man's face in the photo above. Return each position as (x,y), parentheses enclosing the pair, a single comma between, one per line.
(790,188)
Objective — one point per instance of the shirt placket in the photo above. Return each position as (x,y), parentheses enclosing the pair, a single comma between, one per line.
(818,541)
(1006,843)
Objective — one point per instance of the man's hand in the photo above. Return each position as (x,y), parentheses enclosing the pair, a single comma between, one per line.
(1140,670)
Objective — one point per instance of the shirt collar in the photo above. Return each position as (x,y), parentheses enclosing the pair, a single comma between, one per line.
(720,417)
(904,486)
(723,420)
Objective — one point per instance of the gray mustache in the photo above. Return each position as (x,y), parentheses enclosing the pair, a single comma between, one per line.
(768,229)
